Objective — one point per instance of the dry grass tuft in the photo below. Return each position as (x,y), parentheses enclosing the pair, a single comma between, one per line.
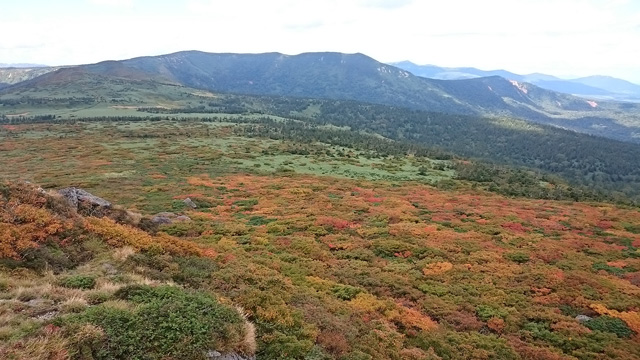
(74,305)
(123,253)
(51,345)
(248,345)
(107,286)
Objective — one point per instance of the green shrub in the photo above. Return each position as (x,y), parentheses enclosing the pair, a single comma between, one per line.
(387,248)
(168,323)
(611,325)
(610,269)
(98,297)
(83,282)
(434,289)
(345,292)
(246,205)
(517,257)
(486,312)
(259,220)
(632,228)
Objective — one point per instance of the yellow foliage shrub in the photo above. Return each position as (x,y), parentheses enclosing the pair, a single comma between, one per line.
(118,235)
(124,235)
(368,303)
(437,268)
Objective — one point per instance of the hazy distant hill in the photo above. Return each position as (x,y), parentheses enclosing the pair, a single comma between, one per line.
(603,87)
(21,65)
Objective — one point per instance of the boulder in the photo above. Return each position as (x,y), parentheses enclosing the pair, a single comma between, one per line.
(161,220)
(82,200)
(583,318)
(189,203)
(167,218)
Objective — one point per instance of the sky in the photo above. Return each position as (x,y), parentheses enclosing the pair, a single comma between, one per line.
(567,38)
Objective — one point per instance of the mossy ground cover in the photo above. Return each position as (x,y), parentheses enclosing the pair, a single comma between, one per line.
(341,265)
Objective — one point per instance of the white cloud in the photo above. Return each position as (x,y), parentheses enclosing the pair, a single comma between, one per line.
(114,3)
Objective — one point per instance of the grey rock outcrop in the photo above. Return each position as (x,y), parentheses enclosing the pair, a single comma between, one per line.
(83,200)
(215,355)
(168,218)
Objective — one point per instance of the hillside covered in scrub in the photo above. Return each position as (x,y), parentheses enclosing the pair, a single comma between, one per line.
(69,289)
(289,249)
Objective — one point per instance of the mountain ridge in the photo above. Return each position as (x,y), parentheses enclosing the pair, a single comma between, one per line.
(358,77)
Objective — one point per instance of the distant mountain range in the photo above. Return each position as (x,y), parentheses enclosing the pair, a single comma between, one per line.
(15,74)
(600,87)
(344,77)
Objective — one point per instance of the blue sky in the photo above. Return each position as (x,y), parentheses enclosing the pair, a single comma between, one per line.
(559,37)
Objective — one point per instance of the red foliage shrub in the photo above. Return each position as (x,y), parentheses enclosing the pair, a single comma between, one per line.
(338,224)
(517,227)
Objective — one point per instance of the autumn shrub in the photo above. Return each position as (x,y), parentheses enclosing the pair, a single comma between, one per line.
(486,312)
(284,346)
(632,228)
(193,270)
(611,325)
(465,345)
(259,220)
(610,269)
(517,257)
(245,205)
(26,224)
(98,297)
(542,331)
(433,288)
(345,292)
(83,282)
(356,254)
(387,248)
(167,323)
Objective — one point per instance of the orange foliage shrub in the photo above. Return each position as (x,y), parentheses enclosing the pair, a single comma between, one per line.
(201,181)
(411,318)
(571,328)
(618,264)
(25,222)
(496,325)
